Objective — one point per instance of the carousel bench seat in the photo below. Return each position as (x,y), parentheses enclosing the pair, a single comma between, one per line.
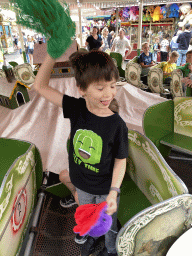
(21,177)
(155,207)
(168,125)
(148,180)
(154,79)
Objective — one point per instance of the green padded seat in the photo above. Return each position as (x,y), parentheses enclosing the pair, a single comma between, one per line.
(118,57)
(132,200)
(148,180)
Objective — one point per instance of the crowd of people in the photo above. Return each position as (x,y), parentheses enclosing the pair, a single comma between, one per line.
(167,53)
(29,42)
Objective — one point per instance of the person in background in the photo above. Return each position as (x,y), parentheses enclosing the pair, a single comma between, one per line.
(155,49)
(168,67)
(30,45)
(110,38)
(146,61)
(104,37)
(173,43)
(94,41)
(121,43)
(15,40)
(164,48)
(183,45)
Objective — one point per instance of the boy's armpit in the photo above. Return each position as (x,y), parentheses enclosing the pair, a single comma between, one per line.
(51,95)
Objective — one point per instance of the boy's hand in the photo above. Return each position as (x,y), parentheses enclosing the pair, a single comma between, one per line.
(187,81)
(112,202)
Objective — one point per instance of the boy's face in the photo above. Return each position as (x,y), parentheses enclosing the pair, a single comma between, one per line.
(173,59)
(99,94)
(146,48)
(189,58)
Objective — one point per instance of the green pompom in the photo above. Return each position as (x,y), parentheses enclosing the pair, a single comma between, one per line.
(49,18)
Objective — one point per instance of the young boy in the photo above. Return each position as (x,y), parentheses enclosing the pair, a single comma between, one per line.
(146,61)
(168,67)
(99,138)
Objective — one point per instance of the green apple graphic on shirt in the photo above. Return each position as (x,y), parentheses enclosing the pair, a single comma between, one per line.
(88,146)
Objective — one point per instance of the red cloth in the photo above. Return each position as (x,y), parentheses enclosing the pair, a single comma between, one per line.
(86,216)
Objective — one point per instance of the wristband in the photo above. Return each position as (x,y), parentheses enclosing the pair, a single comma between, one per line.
(116,189)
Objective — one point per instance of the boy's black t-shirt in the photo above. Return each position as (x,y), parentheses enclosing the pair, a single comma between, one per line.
(94,144)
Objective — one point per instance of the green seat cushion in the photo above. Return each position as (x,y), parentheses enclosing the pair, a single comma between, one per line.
(178,141)
(132,200)
(10,151)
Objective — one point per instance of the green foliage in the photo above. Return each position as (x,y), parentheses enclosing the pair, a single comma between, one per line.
(13,63)
(49,18)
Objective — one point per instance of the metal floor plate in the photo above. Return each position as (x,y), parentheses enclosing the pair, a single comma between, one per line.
(55,235)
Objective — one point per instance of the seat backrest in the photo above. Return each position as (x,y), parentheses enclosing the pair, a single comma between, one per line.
(134,60)
(155,80)
(133,74)
(118,57)
(176,84)
(155,229)
(183,115)
(24,73)
(158,121)
(150,171)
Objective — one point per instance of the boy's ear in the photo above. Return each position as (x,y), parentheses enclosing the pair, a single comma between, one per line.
(81,91)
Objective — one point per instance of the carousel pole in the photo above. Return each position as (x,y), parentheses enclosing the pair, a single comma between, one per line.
(22,43)
(150,33)
(117,21)
(140,27)
(80,23)
(21,40)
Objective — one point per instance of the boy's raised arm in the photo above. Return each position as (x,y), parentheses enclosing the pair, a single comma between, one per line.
(41,83)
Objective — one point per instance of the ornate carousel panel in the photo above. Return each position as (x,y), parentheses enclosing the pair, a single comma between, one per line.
(155,80)
(150,172)
(133,74)
(24,73)
(183,116)
(153,231)
(17,192)
(176,84)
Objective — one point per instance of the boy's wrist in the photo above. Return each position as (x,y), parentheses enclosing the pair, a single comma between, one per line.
(115,191)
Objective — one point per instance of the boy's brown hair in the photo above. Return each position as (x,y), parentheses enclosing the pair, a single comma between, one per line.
(174,54)
(189,52)
(93,66)
(143,44)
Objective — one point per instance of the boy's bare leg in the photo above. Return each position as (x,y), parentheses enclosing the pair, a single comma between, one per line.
(65,179)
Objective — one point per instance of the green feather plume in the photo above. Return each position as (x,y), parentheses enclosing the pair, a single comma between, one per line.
(49,18)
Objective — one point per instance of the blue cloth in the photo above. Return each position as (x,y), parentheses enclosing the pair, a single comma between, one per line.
(182,57)
(174,44)
(145,59)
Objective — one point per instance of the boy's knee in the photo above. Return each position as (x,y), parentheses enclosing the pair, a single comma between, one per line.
(64,174)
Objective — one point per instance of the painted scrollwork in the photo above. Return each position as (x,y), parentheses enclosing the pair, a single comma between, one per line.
(127,236)
(178,116)
(155,80)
